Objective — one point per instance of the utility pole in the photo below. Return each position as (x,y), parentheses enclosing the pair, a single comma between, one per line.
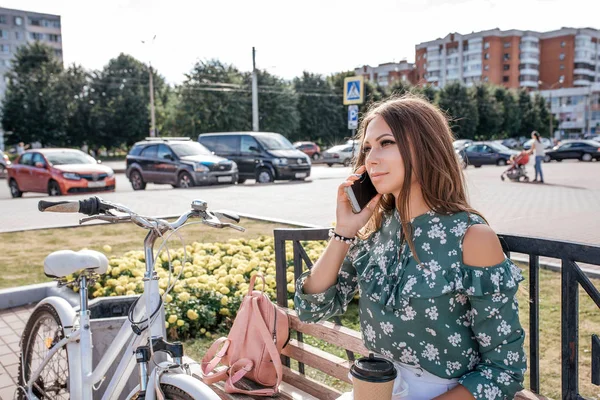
(254,93)
(152,117)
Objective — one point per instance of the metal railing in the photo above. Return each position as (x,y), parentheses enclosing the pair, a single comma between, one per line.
(571,278)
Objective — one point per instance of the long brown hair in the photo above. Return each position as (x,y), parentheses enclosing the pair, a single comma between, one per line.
(424,140)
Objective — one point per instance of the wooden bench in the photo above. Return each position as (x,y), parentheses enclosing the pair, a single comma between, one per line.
(296,385)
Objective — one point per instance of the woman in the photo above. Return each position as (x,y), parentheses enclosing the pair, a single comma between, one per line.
(538,147)
(437,294)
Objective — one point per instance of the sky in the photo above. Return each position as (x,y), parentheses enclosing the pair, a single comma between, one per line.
(319,36)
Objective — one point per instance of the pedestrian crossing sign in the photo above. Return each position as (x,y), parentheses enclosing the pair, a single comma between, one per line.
(354,90)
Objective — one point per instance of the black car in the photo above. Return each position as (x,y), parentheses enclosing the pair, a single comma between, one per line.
(180,162)
(263,156)
(486,153)
(584,150)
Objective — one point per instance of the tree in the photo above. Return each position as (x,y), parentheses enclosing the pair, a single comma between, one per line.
(489,125)
(511,122)
(461,108)
(33,109)
(277,109)
(530,119)
(541,108)
(319,109)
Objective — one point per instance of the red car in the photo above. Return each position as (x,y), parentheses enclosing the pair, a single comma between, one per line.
(311,149)
(58,172)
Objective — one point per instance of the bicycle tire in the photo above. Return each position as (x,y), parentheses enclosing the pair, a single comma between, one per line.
(53,380)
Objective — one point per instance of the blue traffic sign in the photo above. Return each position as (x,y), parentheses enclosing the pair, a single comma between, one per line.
(353,117)
(354,90)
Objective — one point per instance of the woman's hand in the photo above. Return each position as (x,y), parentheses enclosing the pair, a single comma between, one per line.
(347,223)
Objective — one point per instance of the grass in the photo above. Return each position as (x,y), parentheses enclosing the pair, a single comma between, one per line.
(22,253)
(550,347)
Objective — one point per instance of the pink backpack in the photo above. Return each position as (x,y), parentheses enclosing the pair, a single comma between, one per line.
(253,347)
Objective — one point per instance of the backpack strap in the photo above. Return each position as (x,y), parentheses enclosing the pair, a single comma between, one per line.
(243,366)
(215,358)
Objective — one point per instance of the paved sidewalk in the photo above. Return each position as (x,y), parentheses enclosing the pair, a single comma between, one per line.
(12,323)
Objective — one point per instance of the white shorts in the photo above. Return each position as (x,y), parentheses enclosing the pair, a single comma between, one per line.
(414,383)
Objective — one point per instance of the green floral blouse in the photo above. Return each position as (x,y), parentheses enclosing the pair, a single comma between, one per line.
(452,320)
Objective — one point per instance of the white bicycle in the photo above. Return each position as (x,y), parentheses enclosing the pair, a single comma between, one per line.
(56,345)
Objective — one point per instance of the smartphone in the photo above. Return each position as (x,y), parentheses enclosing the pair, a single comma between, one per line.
(361,193)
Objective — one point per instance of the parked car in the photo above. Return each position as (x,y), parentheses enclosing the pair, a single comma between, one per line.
(58,172)
(341,154)
(511,143)
(179,162)
(461,144)
(486,153)
(545,141)
(264,156)
(583,150)
(4,162)
(311,149)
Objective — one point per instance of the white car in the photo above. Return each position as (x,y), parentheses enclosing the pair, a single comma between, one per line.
(342,154)
(545,141)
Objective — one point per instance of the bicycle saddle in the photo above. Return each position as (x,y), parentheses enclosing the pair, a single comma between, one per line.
(66,262)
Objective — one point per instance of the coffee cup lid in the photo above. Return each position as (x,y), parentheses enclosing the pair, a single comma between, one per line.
(373,369)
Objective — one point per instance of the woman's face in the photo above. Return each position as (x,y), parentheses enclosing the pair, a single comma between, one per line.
(382,158)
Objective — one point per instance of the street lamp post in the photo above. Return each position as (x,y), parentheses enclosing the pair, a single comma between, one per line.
(560,81)
(152,114)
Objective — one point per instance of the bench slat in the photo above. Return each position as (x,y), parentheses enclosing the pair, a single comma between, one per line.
(323,361)
(331,333)
(309,385)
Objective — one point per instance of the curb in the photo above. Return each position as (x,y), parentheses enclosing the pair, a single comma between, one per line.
(23,295)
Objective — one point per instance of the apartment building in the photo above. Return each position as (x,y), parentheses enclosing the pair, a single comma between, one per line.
(387,73)
(577,110)
(19,27)
(563,58)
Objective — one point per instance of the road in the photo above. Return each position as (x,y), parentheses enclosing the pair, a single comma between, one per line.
(567,207)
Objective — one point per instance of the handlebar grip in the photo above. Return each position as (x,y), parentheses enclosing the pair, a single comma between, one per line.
(90,206)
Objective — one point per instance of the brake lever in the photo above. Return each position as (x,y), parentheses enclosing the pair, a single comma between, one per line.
(227,215)
(107,218)
(236,227)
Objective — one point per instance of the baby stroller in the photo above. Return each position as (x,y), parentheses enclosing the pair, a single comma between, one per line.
(517,172)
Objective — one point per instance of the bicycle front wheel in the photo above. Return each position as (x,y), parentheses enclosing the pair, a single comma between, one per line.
(42,332)
(171,393)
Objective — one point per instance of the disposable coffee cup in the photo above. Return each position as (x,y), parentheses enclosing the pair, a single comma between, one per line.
(373,378)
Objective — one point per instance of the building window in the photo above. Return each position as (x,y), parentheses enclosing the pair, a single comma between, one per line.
(18,21)
(562,66)
(486,67)
(3,34)
(506,67)
(486,45)
(36,35)
(485,78)
(2,19)
(562,56)
(18,35)
(506,56)
(505,79)
(53,38)
(561,78)
(563,44)
(486,56)
(35,22)
(4,48)
(506,45)
(425,56)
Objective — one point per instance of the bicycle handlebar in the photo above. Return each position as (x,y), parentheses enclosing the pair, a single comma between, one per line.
(91,206)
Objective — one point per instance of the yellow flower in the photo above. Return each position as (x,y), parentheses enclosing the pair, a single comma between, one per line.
(120,289)
(224,300)
(184,296)
(115,271)
(202,330)
(168,299)
(192,315)
(180,322)
(208,334)
(291,288)
(224,311)
(172,318)
(291,304)
(166,324)
(107,248)
(224,290)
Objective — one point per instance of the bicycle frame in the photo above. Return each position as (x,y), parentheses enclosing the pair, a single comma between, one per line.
(82,376)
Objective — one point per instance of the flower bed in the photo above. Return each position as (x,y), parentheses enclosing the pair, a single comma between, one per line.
(214,278)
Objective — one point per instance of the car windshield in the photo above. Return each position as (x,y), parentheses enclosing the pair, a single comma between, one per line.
(275,142)
(69,157)
(189,149)
(499,147)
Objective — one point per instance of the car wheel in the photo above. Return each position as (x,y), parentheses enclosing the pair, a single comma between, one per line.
(329,165)
(14,189)
(264,175)
(54,189)
(316,156)
(347,162)
(2,169)
(547,158)
(137,182)
(477,166)
(185,181)
(241,180)
(586,157)
(501,162)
